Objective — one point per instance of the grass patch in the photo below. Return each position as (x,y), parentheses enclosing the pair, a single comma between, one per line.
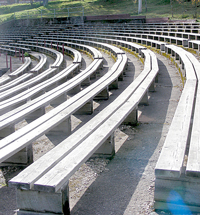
(155,8)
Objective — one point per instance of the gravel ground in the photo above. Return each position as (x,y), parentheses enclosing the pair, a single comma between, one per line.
(125,184)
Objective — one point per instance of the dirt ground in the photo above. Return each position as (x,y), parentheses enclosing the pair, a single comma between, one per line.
(125,184)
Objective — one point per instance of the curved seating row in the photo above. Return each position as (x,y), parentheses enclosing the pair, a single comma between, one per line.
(170,171)
(8,81)
(177,168)
(13,47)
(55,95)
(37,79)
(22,69)
(173,170)
(58,119)
(83,144)
(40,66)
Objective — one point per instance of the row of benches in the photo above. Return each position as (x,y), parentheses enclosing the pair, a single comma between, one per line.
(153,40)
(42,185)
(170,172)
(8,94)
(49,84)
(83,143)
(12,79)
(177,169)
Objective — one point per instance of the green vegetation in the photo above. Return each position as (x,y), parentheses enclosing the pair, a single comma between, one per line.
(58,8)
(26,54)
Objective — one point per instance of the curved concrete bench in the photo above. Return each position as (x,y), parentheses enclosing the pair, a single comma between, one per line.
(39,78)
(40,66)
(177,167)
(181,27)
(22,69)
(115,40)
(83,143)
(16,81)
(9,51)
(88,49)
(18,100)
(57,95)
(58,119)
(134,36)
(13,47)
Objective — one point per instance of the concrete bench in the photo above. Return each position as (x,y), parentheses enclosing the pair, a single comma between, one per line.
(177,178)
(139,37)
(12,46)
(88,49)
(58,119)
(14,82)
(11,83)
(37,79)
(96,136)
(115,39)
(57,95)
(49,84)
(40,66)
(5,41)
(22,69)
(9,51)
(194,45)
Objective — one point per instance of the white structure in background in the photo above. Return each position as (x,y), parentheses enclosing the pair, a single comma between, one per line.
(139,6)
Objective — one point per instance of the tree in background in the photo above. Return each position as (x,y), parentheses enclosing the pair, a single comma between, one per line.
(195,3)
(45,2)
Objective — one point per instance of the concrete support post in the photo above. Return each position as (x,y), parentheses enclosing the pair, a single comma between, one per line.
(86,109)
(21,158)
(145,99)
(31,202)
(36,114)
(114,85)
(59,100)
(107,149)
(7,131)
(104,94)
(63,127)
(132,118)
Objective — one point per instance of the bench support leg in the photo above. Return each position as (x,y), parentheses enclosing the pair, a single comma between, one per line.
(121,77)
(145,100)
(22,158)
(132,118)
(59,100)
(7,131)
(103,94)
(32,202)
(86,109)
(94,75)
(63,127)
(36,114)
(114,85)
(75,90)
(86,82)
(152,86)
(107,149)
